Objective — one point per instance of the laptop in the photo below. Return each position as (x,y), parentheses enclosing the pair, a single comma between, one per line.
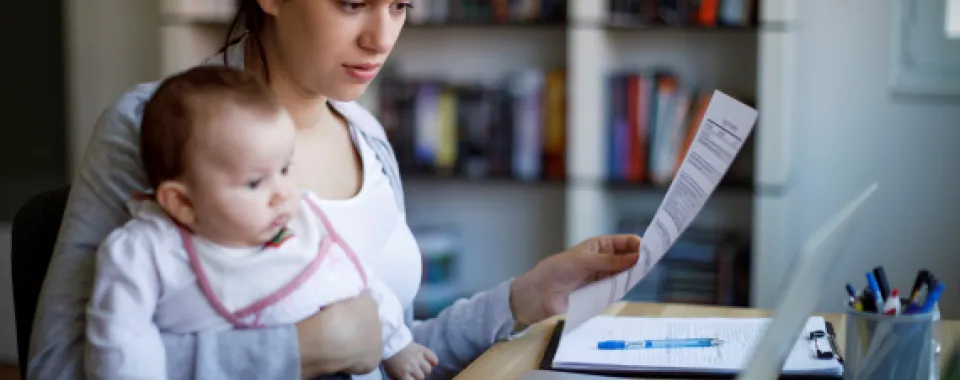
(800,295)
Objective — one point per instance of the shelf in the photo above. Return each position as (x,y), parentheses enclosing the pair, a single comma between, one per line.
(613,26)
(729,187)
(412,176)
(487,25)
(408,176)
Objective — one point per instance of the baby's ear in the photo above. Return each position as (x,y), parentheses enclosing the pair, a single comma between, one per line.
(174,198)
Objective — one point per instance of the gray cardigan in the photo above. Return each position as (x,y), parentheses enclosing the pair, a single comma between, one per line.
(110,172)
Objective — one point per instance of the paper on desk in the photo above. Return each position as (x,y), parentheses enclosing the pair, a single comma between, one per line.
(740,335)
(725,126)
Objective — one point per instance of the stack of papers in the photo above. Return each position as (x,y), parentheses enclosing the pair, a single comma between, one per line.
(578,349)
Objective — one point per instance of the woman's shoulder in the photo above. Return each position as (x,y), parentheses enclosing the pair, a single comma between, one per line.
(121,119)
(361,118)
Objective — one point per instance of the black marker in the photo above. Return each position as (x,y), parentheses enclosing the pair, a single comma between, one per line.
(882,283)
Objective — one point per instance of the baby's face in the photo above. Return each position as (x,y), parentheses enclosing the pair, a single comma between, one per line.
(239,183)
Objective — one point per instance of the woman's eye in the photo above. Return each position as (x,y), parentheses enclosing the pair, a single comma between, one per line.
(351,5)
(285,170)
(402,7)
(254,184)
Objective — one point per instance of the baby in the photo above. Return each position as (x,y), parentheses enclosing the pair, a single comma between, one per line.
(226,239)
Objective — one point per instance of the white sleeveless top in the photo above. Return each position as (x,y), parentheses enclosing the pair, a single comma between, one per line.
(377,230)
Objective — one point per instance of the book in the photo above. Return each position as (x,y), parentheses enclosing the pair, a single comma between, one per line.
(577,351)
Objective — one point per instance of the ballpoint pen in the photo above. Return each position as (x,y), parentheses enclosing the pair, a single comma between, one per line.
(658,343)
(851,291)
(853,295)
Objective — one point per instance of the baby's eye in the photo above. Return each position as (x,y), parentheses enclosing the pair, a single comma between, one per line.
(285,170)
(254,184)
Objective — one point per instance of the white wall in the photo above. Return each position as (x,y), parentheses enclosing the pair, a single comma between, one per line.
(111,45)
(851,130)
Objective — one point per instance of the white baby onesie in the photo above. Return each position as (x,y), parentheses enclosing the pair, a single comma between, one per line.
(153,275)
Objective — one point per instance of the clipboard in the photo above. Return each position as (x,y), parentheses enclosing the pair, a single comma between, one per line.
(546,363)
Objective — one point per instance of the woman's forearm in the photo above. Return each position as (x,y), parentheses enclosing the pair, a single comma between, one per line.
(466,329)
(343,337)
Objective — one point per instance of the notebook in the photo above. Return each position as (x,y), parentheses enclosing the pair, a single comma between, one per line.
(739,335)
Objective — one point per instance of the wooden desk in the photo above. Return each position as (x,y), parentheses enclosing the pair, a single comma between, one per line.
(509,360)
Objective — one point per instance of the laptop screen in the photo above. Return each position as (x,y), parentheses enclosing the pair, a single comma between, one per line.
(803,290)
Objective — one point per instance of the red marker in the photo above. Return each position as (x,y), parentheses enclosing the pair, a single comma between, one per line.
(892,306)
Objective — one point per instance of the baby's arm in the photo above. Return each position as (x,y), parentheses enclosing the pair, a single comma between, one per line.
(396,335)
(403,359)
(122,340)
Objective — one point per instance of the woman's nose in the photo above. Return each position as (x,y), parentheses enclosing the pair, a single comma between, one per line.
(380,33)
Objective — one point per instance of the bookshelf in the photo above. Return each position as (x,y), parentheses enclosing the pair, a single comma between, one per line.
(507,221)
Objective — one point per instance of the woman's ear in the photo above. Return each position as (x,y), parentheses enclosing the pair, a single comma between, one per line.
(174,198)
(270,7)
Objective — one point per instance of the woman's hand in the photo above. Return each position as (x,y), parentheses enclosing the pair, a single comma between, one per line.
(343,337)
(543,291)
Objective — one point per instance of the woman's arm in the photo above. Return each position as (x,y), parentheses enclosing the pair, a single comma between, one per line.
(109,173)
(463,331)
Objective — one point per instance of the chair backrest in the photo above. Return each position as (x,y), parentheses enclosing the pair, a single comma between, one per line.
(35,229)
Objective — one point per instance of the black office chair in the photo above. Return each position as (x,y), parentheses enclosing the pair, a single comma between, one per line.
(35,229)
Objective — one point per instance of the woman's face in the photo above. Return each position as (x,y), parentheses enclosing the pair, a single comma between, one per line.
(334,48)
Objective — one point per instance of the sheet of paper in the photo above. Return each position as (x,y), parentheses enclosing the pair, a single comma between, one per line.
(577,350)
(722,132)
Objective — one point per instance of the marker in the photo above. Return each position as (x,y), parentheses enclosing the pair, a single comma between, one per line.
(932,298)
(868,301)
(875,291)
(892,307)
(915,291)
(882,284)
(663,343)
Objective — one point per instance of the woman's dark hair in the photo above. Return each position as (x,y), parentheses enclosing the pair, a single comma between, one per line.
(249,20)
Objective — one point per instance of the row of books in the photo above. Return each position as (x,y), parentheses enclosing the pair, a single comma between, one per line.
(515,128)
(707,267)
(488,11)
(703,13)
(652,120)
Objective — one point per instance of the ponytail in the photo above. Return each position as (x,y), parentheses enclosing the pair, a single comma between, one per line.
(249,21)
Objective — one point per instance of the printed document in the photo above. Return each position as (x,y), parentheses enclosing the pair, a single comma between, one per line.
(577,350)
(722,132)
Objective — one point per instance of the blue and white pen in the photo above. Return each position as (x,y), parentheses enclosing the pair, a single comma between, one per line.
(661,343)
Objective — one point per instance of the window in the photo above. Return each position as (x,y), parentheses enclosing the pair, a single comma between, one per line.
(953,19)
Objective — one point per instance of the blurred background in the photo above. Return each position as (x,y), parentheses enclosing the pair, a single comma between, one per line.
(524,127)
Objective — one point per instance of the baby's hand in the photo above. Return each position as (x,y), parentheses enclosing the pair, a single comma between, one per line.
(413,362)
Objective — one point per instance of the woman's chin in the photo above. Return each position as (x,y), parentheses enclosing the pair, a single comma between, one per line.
(348,92)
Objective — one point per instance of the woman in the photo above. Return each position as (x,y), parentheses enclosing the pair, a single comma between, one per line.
(318,55)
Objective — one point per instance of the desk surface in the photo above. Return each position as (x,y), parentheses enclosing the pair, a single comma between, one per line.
(509,360)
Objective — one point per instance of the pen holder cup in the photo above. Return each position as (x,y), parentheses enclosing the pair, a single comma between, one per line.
(894,347)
